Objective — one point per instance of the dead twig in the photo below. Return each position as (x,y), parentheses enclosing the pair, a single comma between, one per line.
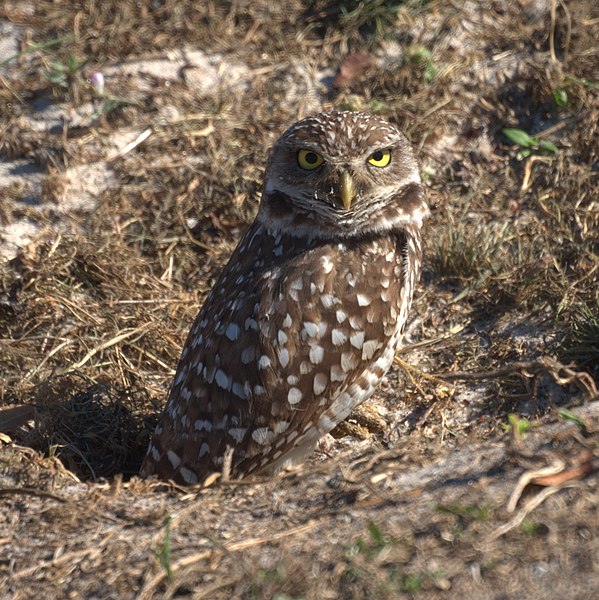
(526,478)
(11,491)
(556,474)
(562,374)
(528,170)
(553,13)
(409,369)
(527,509)
(554,477)
(431,342)
(107,344)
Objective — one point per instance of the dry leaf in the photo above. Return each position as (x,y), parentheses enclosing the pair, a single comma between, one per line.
(354,66)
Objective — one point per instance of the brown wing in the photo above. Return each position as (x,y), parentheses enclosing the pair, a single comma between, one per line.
(211,397)
(285,331)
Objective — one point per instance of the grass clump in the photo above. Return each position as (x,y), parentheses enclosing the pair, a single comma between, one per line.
(581,342)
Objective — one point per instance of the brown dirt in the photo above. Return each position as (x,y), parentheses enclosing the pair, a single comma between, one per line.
(118,210)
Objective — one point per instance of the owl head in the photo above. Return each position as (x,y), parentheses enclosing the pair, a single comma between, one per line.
(342,173)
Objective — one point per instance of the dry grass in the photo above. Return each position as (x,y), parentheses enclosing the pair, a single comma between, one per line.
(94,310)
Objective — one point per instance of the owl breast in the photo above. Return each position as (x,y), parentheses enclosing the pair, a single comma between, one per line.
(290,340)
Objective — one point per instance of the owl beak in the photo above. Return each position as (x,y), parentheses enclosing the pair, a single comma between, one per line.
(347,189)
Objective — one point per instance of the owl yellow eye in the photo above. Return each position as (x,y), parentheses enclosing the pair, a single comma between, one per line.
(309,160)
(380,158)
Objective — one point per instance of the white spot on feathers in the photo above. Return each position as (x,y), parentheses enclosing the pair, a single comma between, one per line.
(369,348)
(250,324)
(337,373)
(310,329)
(200,424)
(283,355)
(237,433)
(263,436)
(223,380)
(320,383)
(264,362)
(327,265)
(328,300)
(204,449)
(188,476)
(248,355)
(316,354)
(338,337)
(233,331)
(363,300)
(357,339)
(294,395)
(173,459)
(280,427)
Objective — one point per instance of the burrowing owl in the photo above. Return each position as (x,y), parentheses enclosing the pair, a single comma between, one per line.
(306,316)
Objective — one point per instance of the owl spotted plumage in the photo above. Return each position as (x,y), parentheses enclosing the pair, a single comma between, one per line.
(304,321)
